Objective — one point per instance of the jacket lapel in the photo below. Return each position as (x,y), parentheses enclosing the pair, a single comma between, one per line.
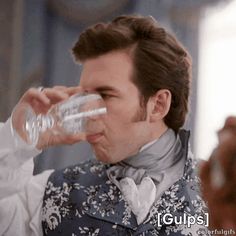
(108,204)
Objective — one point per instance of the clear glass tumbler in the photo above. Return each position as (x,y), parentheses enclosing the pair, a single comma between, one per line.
(68,117)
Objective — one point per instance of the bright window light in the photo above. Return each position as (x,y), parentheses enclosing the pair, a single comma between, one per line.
(217,76)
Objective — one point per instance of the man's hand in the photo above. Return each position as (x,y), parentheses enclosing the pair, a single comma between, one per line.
(41,102)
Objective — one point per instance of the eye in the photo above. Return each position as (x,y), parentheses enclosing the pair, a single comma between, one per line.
(106,96)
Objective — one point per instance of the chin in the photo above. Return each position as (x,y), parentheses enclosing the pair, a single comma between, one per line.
(103,159)
(102,156)
(107,156)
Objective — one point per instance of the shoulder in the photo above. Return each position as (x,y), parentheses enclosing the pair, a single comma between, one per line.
(181,209)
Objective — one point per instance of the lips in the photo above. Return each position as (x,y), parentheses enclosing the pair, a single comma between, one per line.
(94,138)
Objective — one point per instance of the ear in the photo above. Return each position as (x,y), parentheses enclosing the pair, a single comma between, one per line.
(159,105)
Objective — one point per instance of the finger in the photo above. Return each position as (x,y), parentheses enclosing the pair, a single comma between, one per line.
(69,90)
(55,95)
(33,93)
(73,138)
(41,101)
(74,90)
(39,107)
(60,87)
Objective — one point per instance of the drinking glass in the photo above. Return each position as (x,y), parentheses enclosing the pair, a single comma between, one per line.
(68,117)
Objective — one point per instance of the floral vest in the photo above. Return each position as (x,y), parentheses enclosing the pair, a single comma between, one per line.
(81,200)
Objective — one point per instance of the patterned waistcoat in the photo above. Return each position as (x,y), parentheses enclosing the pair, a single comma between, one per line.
(81,200)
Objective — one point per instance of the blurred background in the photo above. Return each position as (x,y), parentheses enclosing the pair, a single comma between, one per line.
(37,36)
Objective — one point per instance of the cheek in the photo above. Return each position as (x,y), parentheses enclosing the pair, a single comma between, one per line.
(119,121)
(120,114)
(116,124)
(122,107)
(119,132)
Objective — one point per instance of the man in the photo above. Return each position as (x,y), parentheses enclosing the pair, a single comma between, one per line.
(143,181)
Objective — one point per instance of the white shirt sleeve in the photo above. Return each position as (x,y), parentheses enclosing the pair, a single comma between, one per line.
(21,193)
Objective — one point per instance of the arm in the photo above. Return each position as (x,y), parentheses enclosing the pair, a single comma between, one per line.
(21,193)
(13,146)
(12,159)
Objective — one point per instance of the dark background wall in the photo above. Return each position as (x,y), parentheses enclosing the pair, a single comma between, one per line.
(37,35)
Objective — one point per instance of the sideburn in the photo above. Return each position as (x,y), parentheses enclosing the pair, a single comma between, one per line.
(141,113)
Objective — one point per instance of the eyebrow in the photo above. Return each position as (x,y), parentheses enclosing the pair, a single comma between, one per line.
(106,89)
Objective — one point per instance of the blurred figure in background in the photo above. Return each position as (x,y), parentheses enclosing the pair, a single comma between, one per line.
(218,177)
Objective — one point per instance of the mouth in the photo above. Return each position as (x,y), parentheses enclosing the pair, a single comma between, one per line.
(94,138)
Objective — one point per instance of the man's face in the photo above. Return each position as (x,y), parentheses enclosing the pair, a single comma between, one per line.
(124,129)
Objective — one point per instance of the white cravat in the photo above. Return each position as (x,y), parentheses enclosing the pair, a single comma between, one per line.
(140,197)
(144,177)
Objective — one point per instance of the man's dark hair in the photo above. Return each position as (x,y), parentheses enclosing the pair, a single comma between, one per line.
(160,61)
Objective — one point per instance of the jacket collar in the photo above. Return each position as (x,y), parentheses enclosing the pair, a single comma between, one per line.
(176,199)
